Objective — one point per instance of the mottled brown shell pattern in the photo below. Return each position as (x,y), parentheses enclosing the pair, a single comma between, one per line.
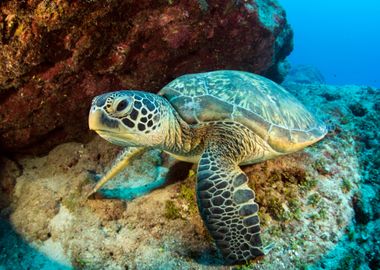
(258,103)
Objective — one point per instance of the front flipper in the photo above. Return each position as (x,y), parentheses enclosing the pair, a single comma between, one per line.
(227,207)
(120,163)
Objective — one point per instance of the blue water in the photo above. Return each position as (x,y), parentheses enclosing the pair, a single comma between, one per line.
(339,37)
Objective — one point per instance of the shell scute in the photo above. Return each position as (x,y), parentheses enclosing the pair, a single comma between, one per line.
(254,101)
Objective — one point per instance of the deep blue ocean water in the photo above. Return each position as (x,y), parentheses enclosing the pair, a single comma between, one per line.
(339,37)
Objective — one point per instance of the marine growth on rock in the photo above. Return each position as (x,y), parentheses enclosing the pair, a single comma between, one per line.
(56,55)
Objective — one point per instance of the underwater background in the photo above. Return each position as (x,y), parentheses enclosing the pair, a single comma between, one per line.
(340,38)
(319,206)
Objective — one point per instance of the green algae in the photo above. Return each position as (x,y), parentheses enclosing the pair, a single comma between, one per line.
(187,192)
(81,263)
(320,166)
(171,210)
(71,201)
(346,185)
(314,199)
(183,203)
(308,184)
(323,213)
(275,208)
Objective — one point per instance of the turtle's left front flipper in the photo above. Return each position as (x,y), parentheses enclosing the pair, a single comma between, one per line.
(121,162)
(226,204)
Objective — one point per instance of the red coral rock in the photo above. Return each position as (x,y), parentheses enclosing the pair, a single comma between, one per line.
(56,55)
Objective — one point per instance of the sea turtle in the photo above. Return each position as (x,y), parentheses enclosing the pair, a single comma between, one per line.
(220,120)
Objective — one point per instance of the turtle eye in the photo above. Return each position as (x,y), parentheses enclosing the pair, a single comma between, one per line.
(122,105)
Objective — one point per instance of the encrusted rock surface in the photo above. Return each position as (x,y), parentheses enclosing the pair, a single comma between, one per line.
(305,74)
(319,206)
(56,55)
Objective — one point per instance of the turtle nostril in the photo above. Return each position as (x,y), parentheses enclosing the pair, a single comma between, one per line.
(122,105)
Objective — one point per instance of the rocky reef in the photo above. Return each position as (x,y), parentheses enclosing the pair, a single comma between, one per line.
(352,113)
(304,74)
(320,206)
(56,55)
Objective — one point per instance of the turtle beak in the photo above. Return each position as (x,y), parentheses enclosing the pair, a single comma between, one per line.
(98,120)
(94,119)
(108,129)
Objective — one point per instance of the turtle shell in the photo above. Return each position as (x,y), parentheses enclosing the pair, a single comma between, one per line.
(252,100)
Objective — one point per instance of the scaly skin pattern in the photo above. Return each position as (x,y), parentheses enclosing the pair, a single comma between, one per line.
(225,201)
(227,207)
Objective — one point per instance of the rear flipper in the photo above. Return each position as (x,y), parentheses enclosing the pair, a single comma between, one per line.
(227,207)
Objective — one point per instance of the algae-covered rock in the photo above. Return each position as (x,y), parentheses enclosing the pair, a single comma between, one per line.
(55,56)
(304,74)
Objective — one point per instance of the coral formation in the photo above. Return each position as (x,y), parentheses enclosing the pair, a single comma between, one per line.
(56,55)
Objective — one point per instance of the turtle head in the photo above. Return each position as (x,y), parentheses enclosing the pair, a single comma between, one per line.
(129,118)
